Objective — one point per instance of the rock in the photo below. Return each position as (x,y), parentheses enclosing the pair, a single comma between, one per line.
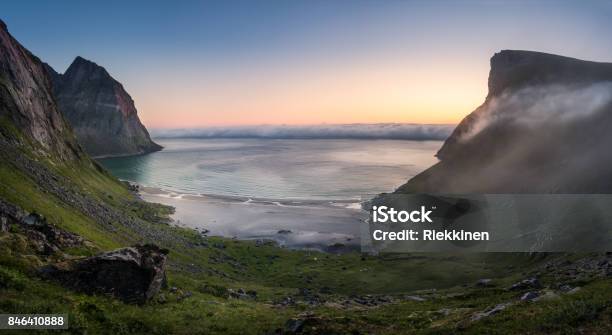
(215,290)
(28,105)
(491,311)
(284,231)
(310,297)
(242,294)
(100,111)
(44,237)
(415,298)
(34,219)
(547,295)
(293,326)
(132,187)
(530,296)
(574,290)
(526,284)
(133,274)
(58,237)
(184,296)
(305,322)
(287,301)
(444,311)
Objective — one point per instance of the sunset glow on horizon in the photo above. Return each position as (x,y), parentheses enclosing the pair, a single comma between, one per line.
(349,94)
(206,63)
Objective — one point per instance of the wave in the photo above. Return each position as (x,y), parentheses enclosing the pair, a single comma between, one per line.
(396,131)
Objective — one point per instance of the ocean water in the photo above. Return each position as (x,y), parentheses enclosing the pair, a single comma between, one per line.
(301,193)
(278,169)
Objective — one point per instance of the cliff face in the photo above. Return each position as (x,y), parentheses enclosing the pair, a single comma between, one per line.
(100,111)
(28,114)
(42,167)
(544,128)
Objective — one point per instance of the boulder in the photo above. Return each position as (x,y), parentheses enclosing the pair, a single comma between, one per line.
(490,311)
(133,274)
(3,224)
(306,322)
(530,296)
(44,237)
(526,284)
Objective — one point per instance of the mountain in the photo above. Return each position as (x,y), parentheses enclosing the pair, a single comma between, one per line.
(100,111)
(43,168)
(57,204)
(28,114)
(543,128)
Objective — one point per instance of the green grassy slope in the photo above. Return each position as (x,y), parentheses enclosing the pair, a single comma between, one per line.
(205,270)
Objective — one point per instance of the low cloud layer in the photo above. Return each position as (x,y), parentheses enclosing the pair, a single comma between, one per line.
(540,139)
(534,106)
(396,131)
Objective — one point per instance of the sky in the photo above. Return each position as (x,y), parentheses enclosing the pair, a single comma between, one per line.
(218,63)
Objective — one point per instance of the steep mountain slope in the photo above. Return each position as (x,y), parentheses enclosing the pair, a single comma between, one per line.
(100,111)
(28,113)
(42,167)
(543,128)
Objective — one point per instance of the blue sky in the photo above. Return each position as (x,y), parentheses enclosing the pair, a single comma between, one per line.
(249,62)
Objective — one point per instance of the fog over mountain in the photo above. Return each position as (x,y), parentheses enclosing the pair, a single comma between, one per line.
(543,128)
(396,131)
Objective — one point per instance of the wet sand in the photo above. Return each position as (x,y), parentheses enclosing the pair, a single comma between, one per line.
(293,223)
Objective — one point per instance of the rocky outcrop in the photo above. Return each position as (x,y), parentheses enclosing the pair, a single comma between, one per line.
(543,128)
(133,274)
(44,238)
(28,114)
(100,111)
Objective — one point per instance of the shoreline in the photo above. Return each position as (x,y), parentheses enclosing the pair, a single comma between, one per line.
(146,152)
(324,225)
(156,191)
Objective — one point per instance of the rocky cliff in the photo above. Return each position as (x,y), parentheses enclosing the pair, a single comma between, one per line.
(28,114)
(42,167)
(54,199)
(100,111)
(544,128)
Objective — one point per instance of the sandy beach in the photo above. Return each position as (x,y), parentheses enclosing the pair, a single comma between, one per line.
(322,225)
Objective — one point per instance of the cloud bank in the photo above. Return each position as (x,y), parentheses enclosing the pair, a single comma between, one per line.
(395,131)
(537,105)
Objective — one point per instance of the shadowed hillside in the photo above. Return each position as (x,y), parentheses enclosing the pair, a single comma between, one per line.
(543,128)
(99,109)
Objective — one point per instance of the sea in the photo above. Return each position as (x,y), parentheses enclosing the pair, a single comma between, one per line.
(301,193)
